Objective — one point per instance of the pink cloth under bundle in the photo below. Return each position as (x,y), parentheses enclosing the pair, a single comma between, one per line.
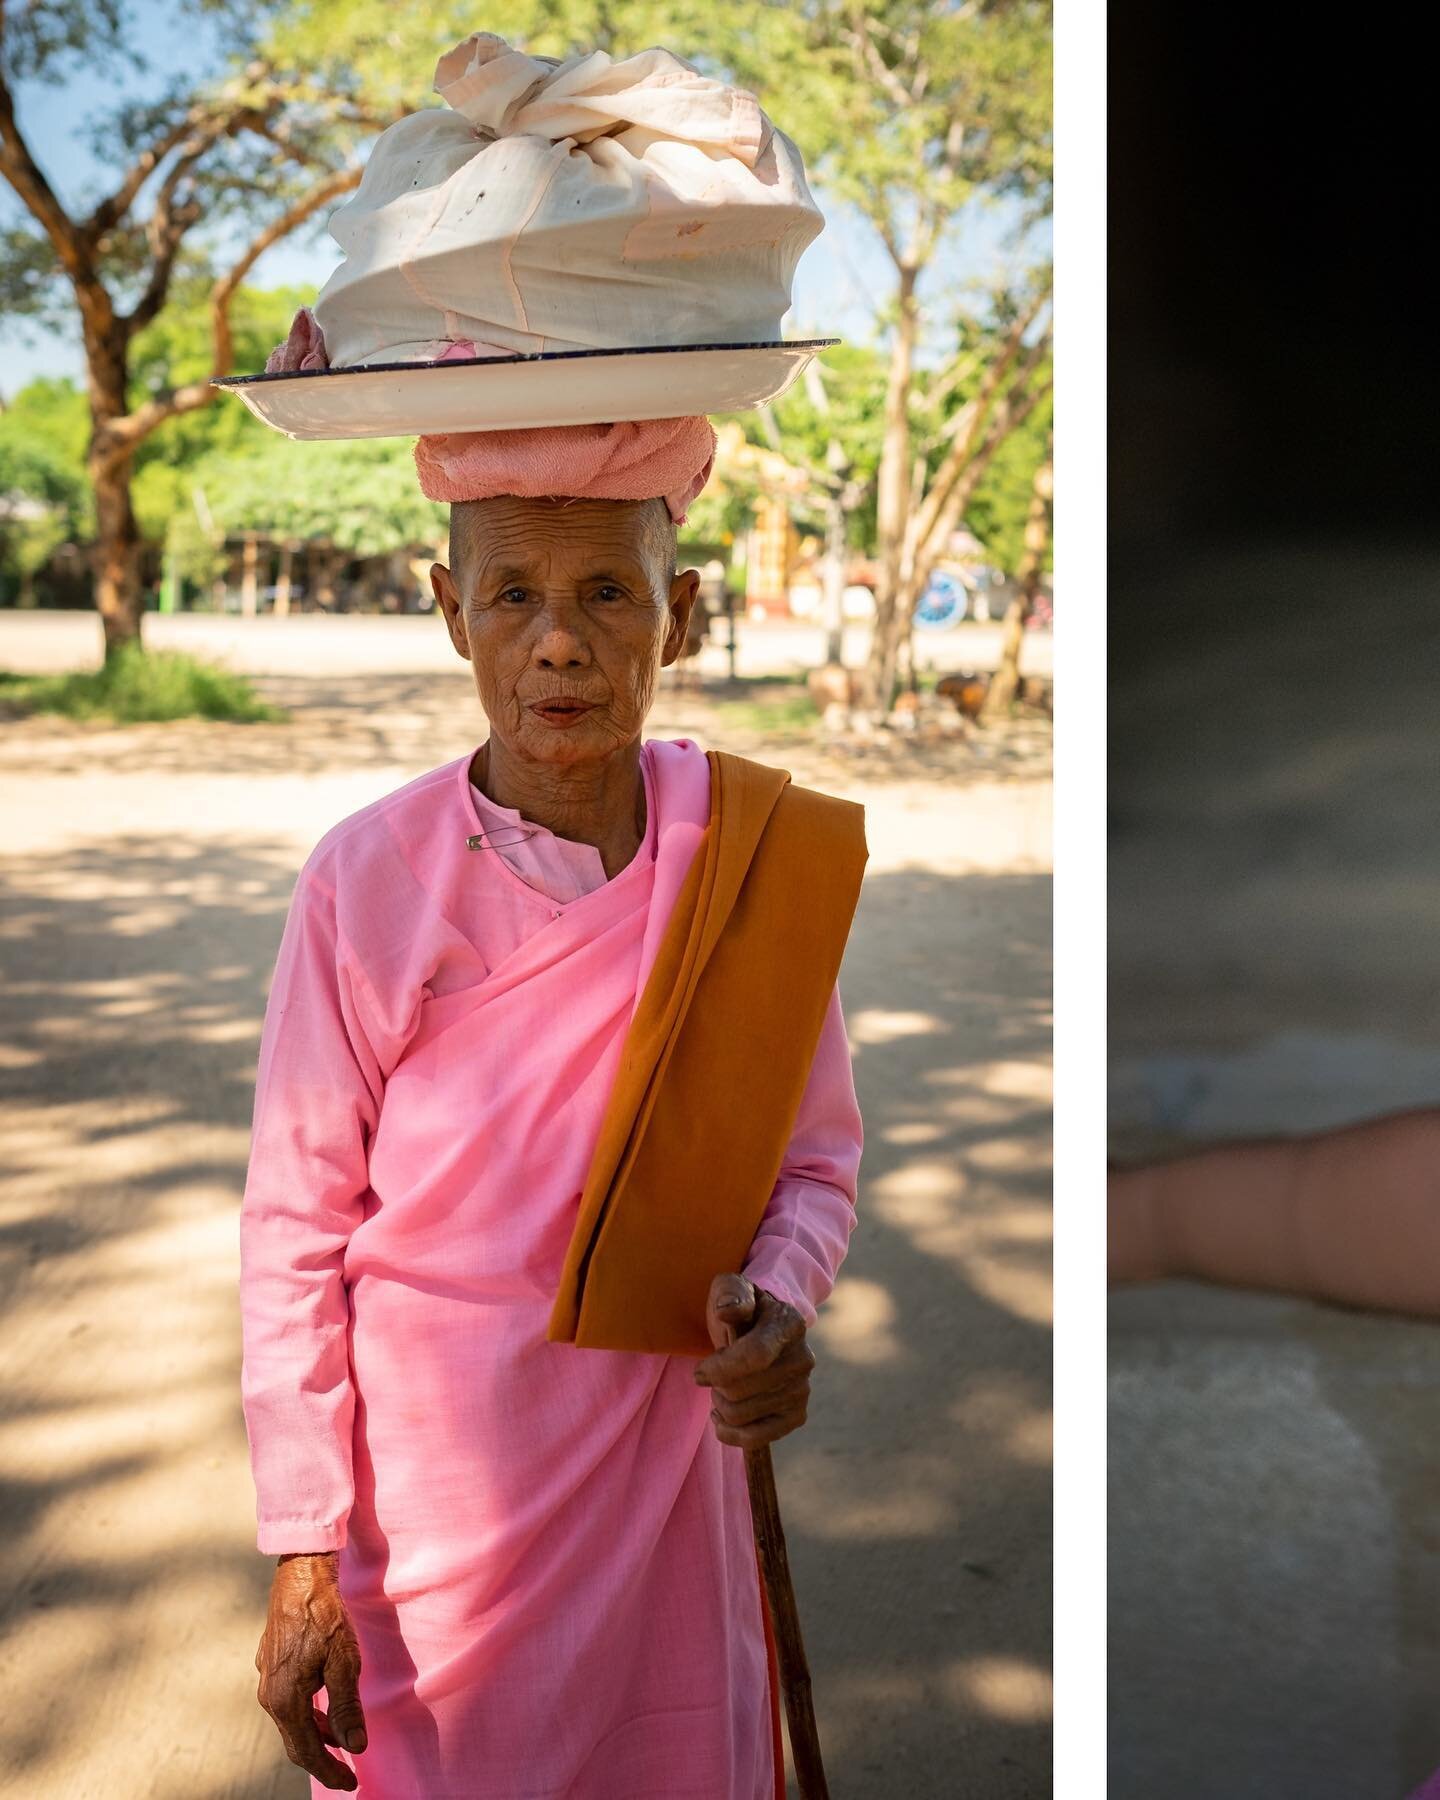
(303,349)
(631,460)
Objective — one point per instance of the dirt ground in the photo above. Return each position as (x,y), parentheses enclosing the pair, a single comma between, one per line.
(146,873)
(1274,1465)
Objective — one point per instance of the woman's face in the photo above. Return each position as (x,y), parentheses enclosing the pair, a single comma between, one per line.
(566,610)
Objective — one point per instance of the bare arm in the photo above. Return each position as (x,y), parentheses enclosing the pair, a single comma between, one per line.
(1349,1216)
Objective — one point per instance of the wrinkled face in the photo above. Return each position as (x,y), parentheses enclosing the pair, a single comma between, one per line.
(566,610)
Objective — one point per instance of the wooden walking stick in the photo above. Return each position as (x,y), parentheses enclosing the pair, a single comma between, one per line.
(785,1616)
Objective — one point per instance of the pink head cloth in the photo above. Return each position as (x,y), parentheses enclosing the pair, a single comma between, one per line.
(632,460)
(644,459)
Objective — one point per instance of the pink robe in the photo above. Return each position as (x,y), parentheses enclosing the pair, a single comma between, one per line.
(546,1551)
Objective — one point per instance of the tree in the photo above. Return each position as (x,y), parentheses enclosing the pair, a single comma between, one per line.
(945,106)
(252,145)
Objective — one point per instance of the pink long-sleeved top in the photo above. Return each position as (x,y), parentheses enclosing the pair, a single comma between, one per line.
(546,1552)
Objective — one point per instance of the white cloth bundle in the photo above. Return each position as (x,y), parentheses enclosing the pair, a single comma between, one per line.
(579,205)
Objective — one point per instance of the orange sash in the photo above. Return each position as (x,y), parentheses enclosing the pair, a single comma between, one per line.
(714,1064)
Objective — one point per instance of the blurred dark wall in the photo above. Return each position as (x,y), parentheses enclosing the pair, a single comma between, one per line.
(1272,208)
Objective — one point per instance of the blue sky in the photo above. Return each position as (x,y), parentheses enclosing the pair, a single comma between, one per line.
(841,279)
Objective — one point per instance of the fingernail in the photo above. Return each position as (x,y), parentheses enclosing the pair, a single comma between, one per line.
(354,1740)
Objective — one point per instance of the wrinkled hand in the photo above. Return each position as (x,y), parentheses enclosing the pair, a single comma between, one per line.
(760,1372)
(310,1642)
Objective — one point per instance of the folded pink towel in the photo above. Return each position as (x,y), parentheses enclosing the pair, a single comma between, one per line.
(632,460)
(303,349)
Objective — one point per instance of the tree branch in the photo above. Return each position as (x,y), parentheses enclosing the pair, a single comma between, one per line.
(1016,409)
(201,127)
(24,174)
(868,60)
(964,443)
(172,218)
(111,210)
(122,435)
(1007,422)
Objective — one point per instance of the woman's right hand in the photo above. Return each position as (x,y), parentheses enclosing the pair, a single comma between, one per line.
(309,1642)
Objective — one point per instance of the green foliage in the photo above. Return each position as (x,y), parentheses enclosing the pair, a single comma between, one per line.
(998,511)
(176,349)
(42,459)
(43,434)
(136,686)
(197,556)
(35,471)
(362,494)
(386,55)
(721,514)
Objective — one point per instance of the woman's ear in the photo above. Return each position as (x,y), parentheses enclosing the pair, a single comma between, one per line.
(442,585)
(684,590)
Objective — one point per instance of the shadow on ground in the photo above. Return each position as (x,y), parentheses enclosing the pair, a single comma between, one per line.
(346,721)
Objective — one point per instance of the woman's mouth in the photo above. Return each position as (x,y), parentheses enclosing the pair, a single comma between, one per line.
(562,713)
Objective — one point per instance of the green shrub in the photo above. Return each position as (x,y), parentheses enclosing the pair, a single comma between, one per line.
(138,686)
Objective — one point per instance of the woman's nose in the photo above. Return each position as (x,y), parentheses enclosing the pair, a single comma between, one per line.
(559,643)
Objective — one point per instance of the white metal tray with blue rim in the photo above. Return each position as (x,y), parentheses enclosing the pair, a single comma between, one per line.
(505,393)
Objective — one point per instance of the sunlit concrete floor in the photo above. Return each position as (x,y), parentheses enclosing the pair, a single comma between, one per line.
(1274,898)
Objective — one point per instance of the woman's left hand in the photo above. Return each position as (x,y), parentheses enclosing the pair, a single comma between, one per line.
(760,1372)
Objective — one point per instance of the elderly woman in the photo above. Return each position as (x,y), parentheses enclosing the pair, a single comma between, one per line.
(555,1139)
(517,1567)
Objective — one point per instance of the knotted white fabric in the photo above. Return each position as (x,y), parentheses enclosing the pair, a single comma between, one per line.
(579,205)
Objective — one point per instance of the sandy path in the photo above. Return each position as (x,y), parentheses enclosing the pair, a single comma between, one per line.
(146,876)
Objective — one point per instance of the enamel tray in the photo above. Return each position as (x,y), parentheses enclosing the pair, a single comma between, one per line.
(551,387)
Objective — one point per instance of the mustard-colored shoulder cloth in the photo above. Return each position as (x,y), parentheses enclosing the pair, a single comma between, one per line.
(714,1064)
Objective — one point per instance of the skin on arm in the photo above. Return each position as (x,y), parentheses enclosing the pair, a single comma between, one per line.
(1349,1216)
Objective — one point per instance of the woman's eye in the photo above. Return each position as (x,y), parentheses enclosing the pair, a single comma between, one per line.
(607,591)
(513,590)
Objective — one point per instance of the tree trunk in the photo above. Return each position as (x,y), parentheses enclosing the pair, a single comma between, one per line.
(892,501)
(325,582)
(118,595)
(834,577)
(249,576)
(283,580)
(1006,680)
